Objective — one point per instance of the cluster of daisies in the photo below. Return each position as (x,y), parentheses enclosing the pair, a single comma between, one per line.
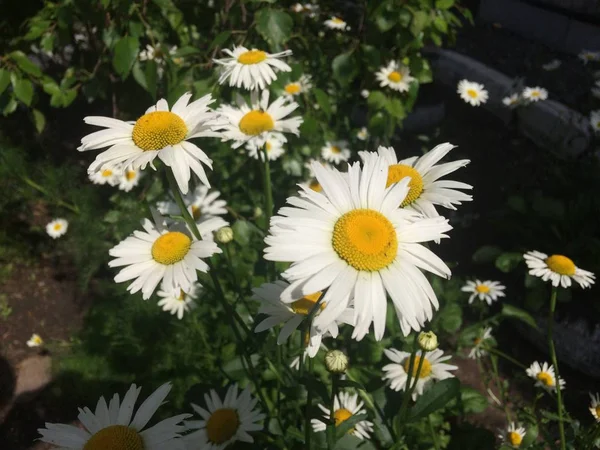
(475,94)
(125,178)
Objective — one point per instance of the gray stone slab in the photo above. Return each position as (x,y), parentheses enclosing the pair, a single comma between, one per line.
(582,36)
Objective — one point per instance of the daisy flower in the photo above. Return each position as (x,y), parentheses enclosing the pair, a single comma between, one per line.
(472,93)
(477,351)
(159,132)
(544,375)
(345,405)
(513,435)
(433,368)
(291,315)
(396,76)
(511,100)
(202,203)
(57,227)
(534,94)
(35,341)
(364,93)
(224,421)
(273,143)
(558,269)
(160,252)
(111,426)
(110,176)
(595,120)
(354,240)
(488,291)
(245,122)
(335,152)
(177,301)
(425,187)
(595,406)
(157,53)
(363,134)
(335,23)
(129,179)
(306,8)
(252,69)
(296,88)
(552,65)
(587,56)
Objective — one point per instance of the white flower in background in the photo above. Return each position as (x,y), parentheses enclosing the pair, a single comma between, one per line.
(161,253)
(552,65)
(595,406)
(293,314)
(308,165)
(351,244)
(488,291)
(335,152)
(295,364)
(252,69)
(251,122)
(558,269)
(177,301)
(364,93)
(425,187)
(159,132)
(157,54)
(395,76)
(545,376)
(111,426)
(309,9)
(110,176)
(363,134)
(35,341)
(535,94)
(472,93)
(296,88)
(273,143)
(202,204)
(513,435)
(345,405)
(587,56)
(595,120)
(57,227)
(434,367)
(478,351)
(129,179)
(511,100)
(224,421)
(335,23)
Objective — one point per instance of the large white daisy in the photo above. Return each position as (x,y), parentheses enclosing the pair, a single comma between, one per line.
(57,227)
(272,142)
(159,132)
(111,425)
(487,291)
(355,240)
(426,188)
(559,269)
(335,152)
(545,376)
(513,435)
(252,69)
(177,301)
(345,405)
(224,422)
(396,76)
(472,93)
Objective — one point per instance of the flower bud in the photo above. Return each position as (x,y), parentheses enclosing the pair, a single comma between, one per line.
(428,341)
(336,361)
(258,212)
(224,235)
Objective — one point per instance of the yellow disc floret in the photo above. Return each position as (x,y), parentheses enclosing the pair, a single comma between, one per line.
(115,437)
(546,379)
(159,129)
(365,239)
(482,288)
(222,425)
(171,247)
(130,174)
(335,149)
(315,186)
(306,304)
(256,122)
(397,172)
(341,415)
(252,57)
(395,77)
(515,438)
(292,88)
(425,369)
(561,265)
(472,93)
(107,173)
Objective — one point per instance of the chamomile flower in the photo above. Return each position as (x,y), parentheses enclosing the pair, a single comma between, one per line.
(335,152)
(129,179)
(345,405)
(363,134)
(161,253)
(295,88)
(364,93)
(111,425)
(351,244)
(272,142)
(35,341)
(559,269)
(335,23)
(201,203)
(478,351)
(224,421)
(595,406)
(595,120)
(245,122)
(309,9)
(426,190)
(106,176)
(488,291)
(252,69)
(587,56)
(159,132)
(513,435)
(472,93)
(156,54)
(552,65)
(535,94)
(511,100)
(57,227)
(395,76)
(177,301)
(544,375)
(433,368)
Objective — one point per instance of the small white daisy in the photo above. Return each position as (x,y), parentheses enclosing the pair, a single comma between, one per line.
(335,23)
(345,405)
(250,122)
(535,94)
(364,93)
(157,54)
(159,132)
(478,351)
(595,406)
(224,421)
(252,69)
(433,368)
(57,227)
(395,76)
(296,88)
(472,93)
(488,291)
(595,120)
(511,100)
(111,426)
(335,152)
(129,179)
(513,435)
(587,56)
(35,341)
(202,203)
(362,134)
(558,269)
(273,143)
(544,375)
(307,8)
(177,301)
(552,65)
(110,176)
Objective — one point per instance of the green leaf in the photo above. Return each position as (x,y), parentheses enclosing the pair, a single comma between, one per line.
(4,80)
(39,120)
(241,232)
(344,68)
(10,107)
(323,101)
(451,318)
(444,4)
(274,26)
(25,64)
(472,400)
(531,435)
(235,367)
(377,100)
(440,24)
(511,311)
(434,398)
(23,90)
(125,54)
(420,20)
(68,96)
(351,384)
(344,427)
(220,39)
(486,254)
(508,261)
(385,21)
(395,108)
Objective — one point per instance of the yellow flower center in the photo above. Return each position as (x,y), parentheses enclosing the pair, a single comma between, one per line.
(546,379)
(515,438)
(256,122)
(159,129)
(335,149)
(482,288)
(535,93)
(107,173)
(477,341)
(37,340)
(115,437)
(171,247)
(337,20)
(472,93)
(268,146)
(341,415)
(130,174)
(395,77)
(561,264)
(305,305)
(292,88)
(598,124)
(181,297)
(597,409)
(365,239)
(252,57)
(397,172)
(425,369)
(315,186)
(222,425)
(196,212)
(57,226)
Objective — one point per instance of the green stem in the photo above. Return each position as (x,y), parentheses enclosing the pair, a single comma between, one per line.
(331,424)
(41,189)
(268,205)
(497,352)
(436,444)
(307,425)
(407,387)
(500,388)
(559,403)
